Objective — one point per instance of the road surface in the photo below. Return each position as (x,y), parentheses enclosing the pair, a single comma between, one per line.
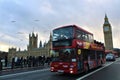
(110,71)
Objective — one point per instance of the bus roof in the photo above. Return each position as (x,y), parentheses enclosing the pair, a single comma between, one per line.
(75,27)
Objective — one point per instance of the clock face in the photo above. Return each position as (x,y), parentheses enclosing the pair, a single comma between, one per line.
(106,28)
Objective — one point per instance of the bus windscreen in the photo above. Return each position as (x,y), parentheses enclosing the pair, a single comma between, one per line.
(63,33)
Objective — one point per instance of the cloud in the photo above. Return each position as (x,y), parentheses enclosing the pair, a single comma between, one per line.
(4,46)
(46,8)
(42,16)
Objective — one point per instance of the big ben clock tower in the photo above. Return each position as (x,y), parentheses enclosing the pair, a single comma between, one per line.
(107,34)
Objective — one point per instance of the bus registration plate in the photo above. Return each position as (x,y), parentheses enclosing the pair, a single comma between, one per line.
(61,71)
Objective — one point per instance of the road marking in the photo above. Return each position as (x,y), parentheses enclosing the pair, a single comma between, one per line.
(97,70)
(117,63)
(28,72)
(94,71)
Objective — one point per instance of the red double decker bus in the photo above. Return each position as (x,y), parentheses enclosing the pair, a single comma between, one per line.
(74,50)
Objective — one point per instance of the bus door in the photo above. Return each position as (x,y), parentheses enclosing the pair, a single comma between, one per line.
(96,57)
(80,59)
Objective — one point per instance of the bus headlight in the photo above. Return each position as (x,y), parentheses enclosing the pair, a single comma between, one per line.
(52,68)
(71,71)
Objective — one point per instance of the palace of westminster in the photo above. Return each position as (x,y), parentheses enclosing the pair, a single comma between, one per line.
(32,48)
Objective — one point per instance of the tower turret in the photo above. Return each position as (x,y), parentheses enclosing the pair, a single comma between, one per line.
(32,41)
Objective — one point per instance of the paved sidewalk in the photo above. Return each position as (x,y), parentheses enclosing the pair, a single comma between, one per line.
(19,70)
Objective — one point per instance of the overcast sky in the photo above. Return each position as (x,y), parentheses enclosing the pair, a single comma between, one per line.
(18,18)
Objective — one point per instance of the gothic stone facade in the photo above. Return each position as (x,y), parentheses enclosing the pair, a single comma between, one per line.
(32,49)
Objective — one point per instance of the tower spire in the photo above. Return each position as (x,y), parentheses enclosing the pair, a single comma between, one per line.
(105,15)
(106,19)
(40,44)
(33,30)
